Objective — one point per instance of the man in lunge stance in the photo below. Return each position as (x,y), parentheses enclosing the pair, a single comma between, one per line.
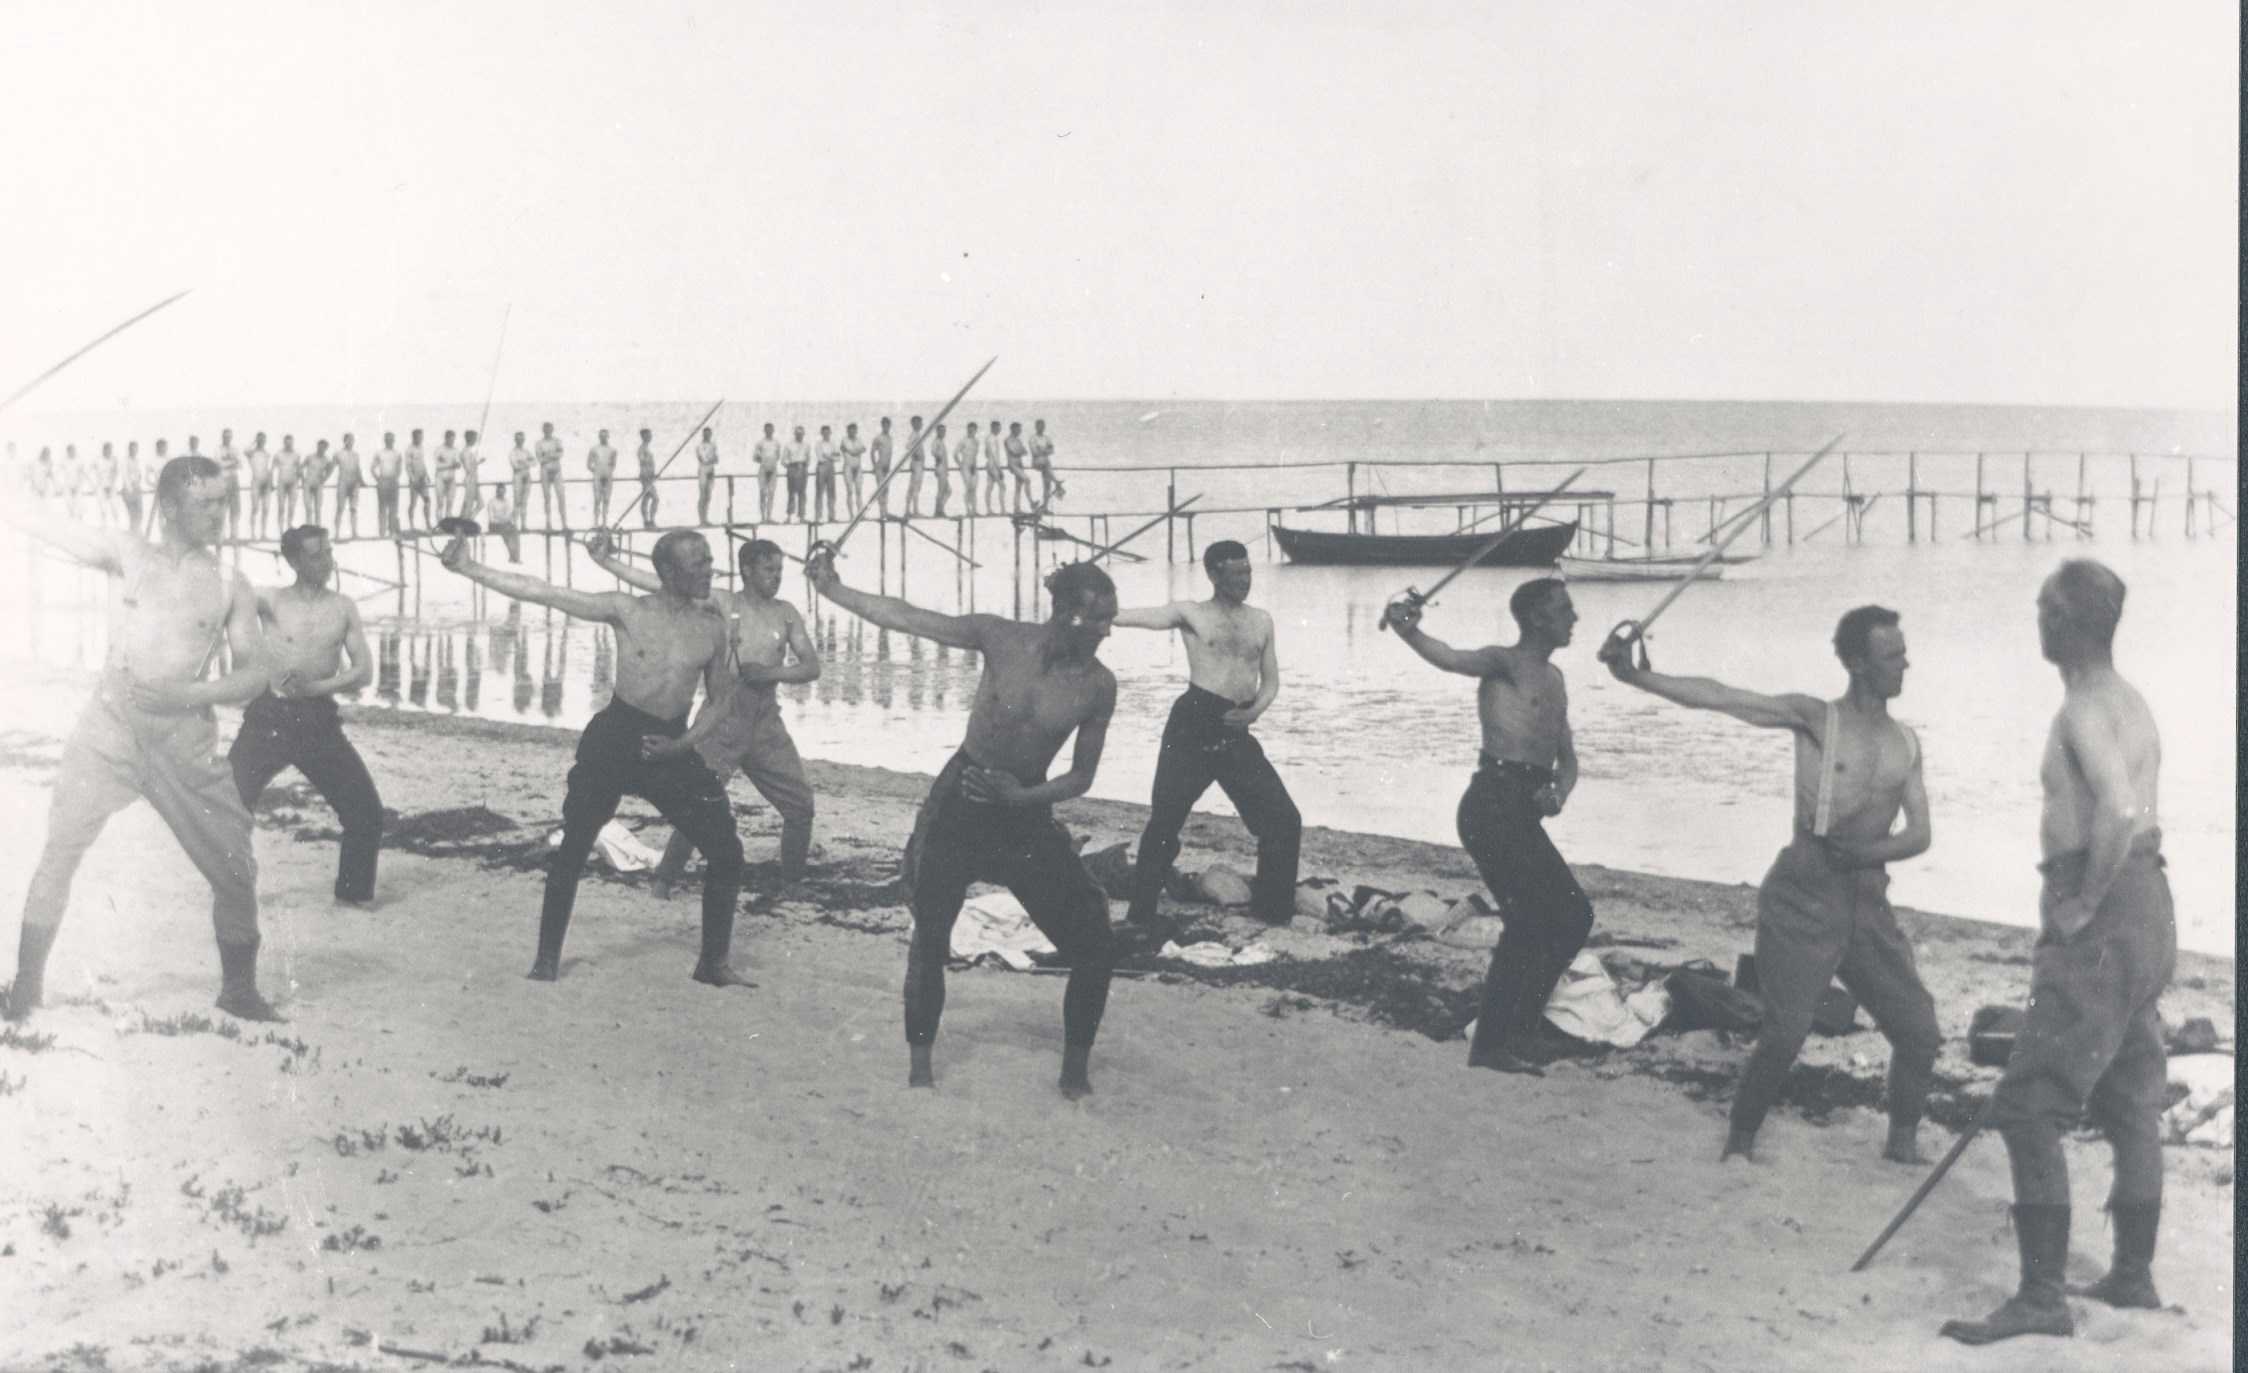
(1823,910)
(989,816)
(1233,670)
(149,731)
(310,633)
(640,744)
(1528,769)
(2108,947)
(764,631)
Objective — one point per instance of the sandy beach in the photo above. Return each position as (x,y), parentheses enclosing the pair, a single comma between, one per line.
(1283,1167)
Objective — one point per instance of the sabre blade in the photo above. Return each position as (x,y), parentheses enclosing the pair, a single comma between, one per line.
(836,544)
(1491,545)
(695,428)
(1101,553)
(24,390)
(1717,549)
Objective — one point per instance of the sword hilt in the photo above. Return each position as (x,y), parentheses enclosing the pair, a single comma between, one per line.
(1411,596)
(1620,641)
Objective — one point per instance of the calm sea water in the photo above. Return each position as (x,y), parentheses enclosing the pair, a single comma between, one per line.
(1370,738)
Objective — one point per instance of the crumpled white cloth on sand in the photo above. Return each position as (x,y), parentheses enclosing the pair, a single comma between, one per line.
(618,847)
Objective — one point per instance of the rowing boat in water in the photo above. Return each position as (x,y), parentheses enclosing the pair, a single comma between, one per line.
(1650,569)
(1535,546)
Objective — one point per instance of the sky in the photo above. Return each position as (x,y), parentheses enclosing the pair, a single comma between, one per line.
(1910,201)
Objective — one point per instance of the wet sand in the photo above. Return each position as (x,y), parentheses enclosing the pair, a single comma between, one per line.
(435,1160)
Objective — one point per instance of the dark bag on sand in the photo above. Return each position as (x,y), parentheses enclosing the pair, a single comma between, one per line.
(1991,1035)
(1701,999)
(1836,1013)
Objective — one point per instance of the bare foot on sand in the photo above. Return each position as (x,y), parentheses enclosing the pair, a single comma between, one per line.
(722,975)
(920,1074)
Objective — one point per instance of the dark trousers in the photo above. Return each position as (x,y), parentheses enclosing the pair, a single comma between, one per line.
(1198,749)
(1022,848)
(686,792)
(386,507)
(305,734)
(1545,912)
(796,508)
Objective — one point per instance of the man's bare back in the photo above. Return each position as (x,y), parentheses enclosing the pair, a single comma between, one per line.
(2102,713)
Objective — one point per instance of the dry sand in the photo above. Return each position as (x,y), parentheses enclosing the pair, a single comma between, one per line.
(437,1161)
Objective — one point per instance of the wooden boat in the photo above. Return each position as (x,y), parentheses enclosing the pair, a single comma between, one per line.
(1533,546)
(1649,569)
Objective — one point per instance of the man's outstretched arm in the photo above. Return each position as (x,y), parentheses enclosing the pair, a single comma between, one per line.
(1490,661)
(959,631)
(1150,617)
(605,607)
(1791,710)
(604,555)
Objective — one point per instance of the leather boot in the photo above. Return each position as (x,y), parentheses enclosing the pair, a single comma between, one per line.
(2038,1307)
(713,968)
(238,983)
(2130,1279)
(32,948)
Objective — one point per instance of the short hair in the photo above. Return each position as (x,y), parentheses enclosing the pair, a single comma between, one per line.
(2093,597)
(1527,596)
(1853,633)
(1076,586)
(180,473)
(294,540)
(757,550)
(1224,550)
(667,548)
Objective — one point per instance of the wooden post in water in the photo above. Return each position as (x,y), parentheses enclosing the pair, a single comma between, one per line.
(2189,497)
(2028,501)
(2134,460)
(1977,522)
(2082,524)
(1018,578)
(1849,505)
(1350,489)
(1170,541)
(1649,533)
(1767,515)
(1912,498)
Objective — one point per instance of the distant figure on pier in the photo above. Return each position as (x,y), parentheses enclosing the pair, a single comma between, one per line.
(966,454)
(1823,909)
(472,472)
(519,463)
(348,481)
(315,647)
(72,475)
(645,458)
(995,470)
(387,464)
(1233,675)
(261,482)
(940,466)
(706,475)
(130,480)
(854,466)
(112,510)
(880,457)
(823,488)
(915,458)
(768,458)
(601,463)
(500,517)
(230,464)
(1016,451)
(554,497)
(798,459)
(448,464)
(417,483)
(1042,458)
(288,479)
(317,470)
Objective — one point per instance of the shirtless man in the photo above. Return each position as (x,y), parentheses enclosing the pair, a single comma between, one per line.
(288,478)
(109,510)
(989,816)
(706,475)
(1233,670)
(854,465)
(448,465)
(1527,770)
(878,456)
(914,458)
(995,470)
(824,454)
(261,482)
(601,463)
(1016,450)
(317,469)
(765,632)
(72,480)
(130,480)
(387,464)
(967,454)
(640,743)
(500,518)
(149,732)
(230,464)
(554,500)
(2107,947)
(417,484)
(472,472)
(645,457)
(1042,459)
(768,456)
(940,466)
(1823,909)
(797,458)
(315,648)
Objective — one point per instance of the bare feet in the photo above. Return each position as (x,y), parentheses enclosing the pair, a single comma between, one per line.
(1505,1061)
(1077,1081)
(720,975)
(921,1074)
(545,970)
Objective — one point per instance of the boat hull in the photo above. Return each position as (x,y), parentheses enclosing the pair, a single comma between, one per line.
(1537,546)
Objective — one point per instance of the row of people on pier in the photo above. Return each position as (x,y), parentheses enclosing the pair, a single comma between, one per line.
(1014,473)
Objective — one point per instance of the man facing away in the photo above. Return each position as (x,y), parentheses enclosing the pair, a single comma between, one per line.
(2107,946)
(315,647)
(989,815)
(554,502)
(1823,909)
(764,632)
(1233,674)
(601,464)
(640,743)
(1527,770)
(148,730)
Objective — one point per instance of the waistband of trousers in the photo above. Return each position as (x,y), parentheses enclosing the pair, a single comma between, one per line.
(618,712)
(1510,769)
